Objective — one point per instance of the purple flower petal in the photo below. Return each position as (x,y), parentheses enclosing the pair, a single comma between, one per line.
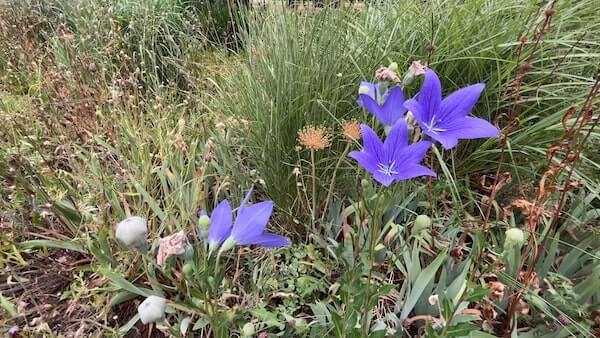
(220,223)
(430,96)
(267,240)
(466,128)
(385,180)
(414,170)
(371,142)
(459,103)
(393,108)
(396,140)
(251,221)
(413,153)
(366,160)
(371,92)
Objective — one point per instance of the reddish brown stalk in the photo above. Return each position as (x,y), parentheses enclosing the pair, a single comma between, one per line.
(524,69)
(570,145)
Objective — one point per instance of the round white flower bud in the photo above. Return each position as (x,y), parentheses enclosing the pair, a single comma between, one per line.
(515,236)
(133,231)
(152,309)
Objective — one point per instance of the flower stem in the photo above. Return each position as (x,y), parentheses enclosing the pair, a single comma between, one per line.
(314,189)
(332,184)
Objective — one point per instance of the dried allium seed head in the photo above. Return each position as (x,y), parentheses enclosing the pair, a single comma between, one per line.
(314,138)
(351,130)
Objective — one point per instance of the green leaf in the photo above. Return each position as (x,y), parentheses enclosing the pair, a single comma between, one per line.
(46,243)
(152,203)
(200,323)
(184,325)
(125,328)
(124,284)
(121,297)
(7,305)
(424,278)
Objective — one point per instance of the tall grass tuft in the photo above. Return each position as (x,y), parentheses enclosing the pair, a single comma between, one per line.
(304,67)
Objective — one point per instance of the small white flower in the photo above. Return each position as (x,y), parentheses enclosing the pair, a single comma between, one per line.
(433,299)
(133,231)
(152,309)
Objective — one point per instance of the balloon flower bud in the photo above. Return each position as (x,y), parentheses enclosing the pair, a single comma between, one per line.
(203,222)
(152,309)
(514,237)
(422,222)
(393,67)
(132,232)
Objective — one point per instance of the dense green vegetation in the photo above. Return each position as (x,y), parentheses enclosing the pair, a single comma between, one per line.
(163,108)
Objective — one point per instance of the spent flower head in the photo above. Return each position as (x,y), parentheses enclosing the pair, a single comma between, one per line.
(314,137)
(173,245)
(351,130)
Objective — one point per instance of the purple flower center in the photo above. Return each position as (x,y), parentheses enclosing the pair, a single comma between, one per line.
(431,126)
(387,169)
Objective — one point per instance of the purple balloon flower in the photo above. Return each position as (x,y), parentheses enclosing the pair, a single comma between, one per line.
(248,228)
(393,159)
(390,111)
(446,120)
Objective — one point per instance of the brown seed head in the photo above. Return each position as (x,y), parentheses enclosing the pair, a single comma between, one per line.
(550,11)
(351,130)
(497,291)
(314,138)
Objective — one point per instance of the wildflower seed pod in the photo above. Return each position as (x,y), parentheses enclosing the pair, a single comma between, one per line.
(132,232)
(152,309)
(514,237)
(422,222)
(393,67)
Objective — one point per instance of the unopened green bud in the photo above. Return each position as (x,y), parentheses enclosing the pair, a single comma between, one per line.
(204,222)
(393,67)
(227,245)
(422,222)
(188,269)
(248,330)
(514,237)
(365,184)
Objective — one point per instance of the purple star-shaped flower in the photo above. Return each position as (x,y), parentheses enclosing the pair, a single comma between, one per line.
(392,108)
(248,228)
(446,120)
(393,159)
